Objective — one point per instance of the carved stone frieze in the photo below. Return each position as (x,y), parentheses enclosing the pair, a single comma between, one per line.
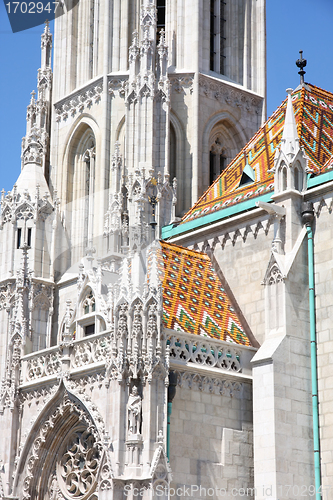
(117,86)
(80,100)
(234,97)
(231,236)
(204,383)
(182,84)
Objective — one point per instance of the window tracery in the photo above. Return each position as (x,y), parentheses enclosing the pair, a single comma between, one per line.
(78,465)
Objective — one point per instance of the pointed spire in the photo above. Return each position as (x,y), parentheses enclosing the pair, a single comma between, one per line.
(290,139)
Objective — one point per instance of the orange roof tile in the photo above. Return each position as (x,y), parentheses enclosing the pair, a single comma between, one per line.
(194,300)
(313,108)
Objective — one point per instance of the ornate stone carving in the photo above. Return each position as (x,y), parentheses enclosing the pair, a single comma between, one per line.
(80,100)
(91,351)
(234,97)
(78,464)
(117,86)
(43,366)
(182,84)
(205,352)
(275,276)
(203,383)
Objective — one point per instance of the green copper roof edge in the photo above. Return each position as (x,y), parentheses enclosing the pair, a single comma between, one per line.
(320,179)
(170,231)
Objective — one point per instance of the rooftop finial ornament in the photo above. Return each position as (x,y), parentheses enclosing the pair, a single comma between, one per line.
(301,63)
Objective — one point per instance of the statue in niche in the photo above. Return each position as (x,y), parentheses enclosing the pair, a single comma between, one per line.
(134,411)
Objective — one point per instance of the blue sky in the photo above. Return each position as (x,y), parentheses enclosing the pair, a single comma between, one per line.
(291,25)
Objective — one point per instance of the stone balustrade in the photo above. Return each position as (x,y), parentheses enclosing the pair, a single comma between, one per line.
(207,352)
(185,350)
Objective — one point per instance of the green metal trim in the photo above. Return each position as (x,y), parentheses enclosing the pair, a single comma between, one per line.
(172,230)
(314,376)
(320,179)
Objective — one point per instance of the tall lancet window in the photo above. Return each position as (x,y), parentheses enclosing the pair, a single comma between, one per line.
(93,40)
(160,15)
(217,36)
(89,159)
(217,159)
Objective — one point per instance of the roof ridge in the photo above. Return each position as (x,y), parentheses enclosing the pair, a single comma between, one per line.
(300,120)
(187,250)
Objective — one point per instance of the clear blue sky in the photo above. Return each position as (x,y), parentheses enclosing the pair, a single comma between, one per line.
(291,25)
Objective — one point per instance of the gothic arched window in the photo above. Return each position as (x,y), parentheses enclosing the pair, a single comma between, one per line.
(284,178)
(81,191)
(217,36)
(217,159)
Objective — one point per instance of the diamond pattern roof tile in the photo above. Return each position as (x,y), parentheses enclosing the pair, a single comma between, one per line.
(194,300)
(313,108)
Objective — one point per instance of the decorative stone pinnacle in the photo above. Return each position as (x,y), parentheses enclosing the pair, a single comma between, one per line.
(33,95)
(301,63)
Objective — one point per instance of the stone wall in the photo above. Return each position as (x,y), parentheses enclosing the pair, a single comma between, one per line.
(211,435)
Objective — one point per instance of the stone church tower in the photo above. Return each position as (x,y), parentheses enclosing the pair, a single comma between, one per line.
(110,338)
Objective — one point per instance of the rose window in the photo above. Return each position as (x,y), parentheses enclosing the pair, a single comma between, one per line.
(79,463)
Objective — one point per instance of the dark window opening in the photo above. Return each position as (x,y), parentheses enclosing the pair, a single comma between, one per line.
(90,329)
(245,179)
(222,37)
(29,237)
(217,163)
(160,15)
(217,39)
(212,36)
(19,236)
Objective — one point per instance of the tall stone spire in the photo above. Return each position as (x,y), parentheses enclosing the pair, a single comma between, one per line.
(290,139)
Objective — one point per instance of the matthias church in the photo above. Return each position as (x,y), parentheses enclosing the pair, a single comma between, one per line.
(166,265)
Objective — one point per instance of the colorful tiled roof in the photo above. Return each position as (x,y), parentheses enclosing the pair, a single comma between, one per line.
(194,300)
(313,108)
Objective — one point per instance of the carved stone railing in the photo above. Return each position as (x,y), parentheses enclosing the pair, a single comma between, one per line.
(91,350)
(186,349)
(41,364)
(48,362)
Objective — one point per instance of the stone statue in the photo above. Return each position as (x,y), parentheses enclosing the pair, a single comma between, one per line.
(134,411)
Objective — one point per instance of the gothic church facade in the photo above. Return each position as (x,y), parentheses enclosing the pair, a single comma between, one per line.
(132,364)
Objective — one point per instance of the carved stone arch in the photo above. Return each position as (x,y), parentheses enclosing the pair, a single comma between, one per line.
(221,127)
(298,176)
(120,136)
(25,209)
(64,449)
(40,320)
(136,190)
(6,214)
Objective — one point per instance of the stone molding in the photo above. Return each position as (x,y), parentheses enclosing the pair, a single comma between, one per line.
(224,93)
(204,383)
(79,100)
(233,235)
(182,83)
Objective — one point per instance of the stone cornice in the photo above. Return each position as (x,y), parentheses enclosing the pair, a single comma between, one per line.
(230,94)
(79,100)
